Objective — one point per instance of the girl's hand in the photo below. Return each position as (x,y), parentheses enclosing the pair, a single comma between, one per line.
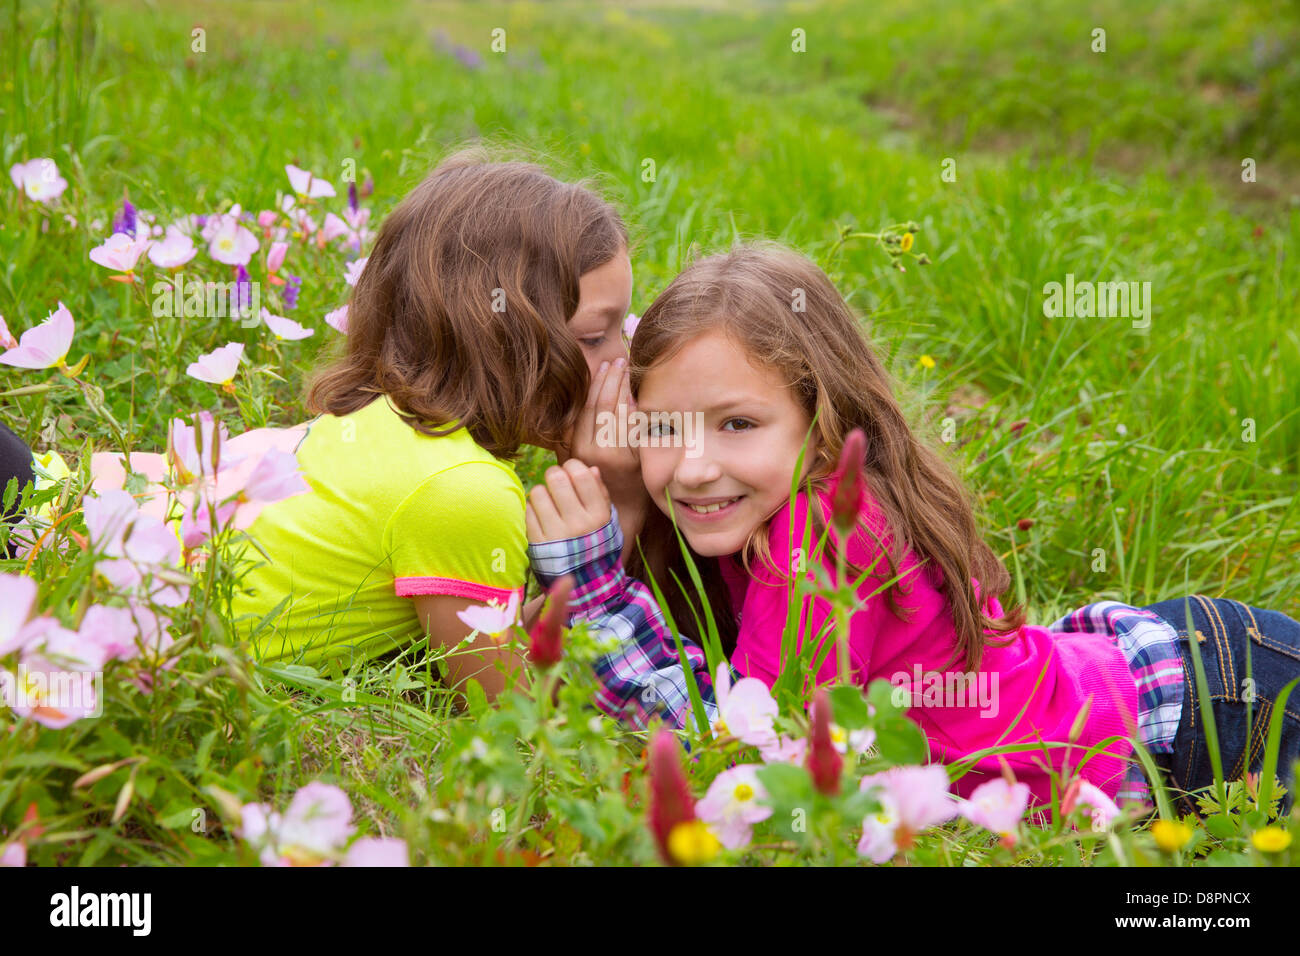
(572,503)
(622,466)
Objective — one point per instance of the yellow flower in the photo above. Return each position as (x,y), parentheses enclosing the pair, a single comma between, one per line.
(691,843)
(907,241)
(1271,839)
(1171,835)
(927,362)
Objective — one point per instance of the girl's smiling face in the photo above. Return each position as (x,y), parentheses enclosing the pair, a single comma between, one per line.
(752,432)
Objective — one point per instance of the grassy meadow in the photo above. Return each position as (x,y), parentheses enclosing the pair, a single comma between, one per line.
(1157,457)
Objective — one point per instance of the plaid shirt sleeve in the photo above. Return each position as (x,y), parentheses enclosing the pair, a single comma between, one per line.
(641,676)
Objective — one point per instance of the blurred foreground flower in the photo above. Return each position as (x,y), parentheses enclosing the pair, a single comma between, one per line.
(913,799)
(746,711)
(824,762)
(998,806)
(680,836)
(546,645)
(733,804)
(1271,839)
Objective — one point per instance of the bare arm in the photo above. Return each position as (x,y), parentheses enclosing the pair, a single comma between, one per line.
(438,616)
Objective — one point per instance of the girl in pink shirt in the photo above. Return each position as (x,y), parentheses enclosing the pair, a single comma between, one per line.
(751,362)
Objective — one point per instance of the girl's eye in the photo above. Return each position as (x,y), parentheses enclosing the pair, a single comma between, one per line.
(593,343)
(748,424)
(658,429)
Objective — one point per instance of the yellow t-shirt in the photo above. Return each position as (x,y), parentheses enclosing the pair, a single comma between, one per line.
(392,513)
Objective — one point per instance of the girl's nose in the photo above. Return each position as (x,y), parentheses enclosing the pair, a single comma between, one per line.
(695,472)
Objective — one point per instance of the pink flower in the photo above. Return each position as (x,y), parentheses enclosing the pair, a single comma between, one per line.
(275,256)
(311,832)
(39,179)
(120,253)
(915,798)
(266,218)
(493,618)
(791,750)
(879,830)
(173,251)
(285,328)
(45,345)
(746,711)
(274,477)
(13,854)
(733,804)
(196,528)
(218,366)
(305,184)
(997,805)
(52,694)
(193,451)
(332,229)
(338,319)
(113,629)
(1080,793)
(232,243)
(7,341)
(378,851)
(354,270)
(303,224)
(629,326)
(17,596)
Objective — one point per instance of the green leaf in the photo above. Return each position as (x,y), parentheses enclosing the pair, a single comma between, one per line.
(475,698)
(786,784)
(900,741)
(849,707)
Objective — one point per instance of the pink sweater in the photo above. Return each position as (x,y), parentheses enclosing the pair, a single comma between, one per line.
(971,715)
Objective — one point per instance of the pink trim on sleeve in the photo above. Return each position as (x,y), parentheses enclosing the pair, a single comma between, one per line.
(454,587)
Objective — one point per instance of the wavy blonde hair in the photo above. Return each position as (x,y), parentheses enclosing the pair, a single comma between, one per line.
(836,376)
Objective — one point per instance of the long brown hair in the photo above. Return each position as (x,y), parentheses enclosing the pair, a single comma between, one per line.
(753,294)
(460,313)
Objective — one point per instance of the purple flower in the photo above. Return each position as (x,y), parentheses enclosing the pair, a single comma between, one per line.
(243,290)
(291,286)
(125,221)
(468,58)
(352,197)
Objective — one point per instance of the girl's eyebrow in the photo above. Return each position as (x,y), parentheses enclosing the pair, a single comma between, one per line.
(726,403)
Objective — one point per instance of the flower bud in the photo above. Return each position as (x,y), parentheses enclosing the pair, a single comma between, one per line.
(824,761)
(847,487)
(546,645)
(671,802)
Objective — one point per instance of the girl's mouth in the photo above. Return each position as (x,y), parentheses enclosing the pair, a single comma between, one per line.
(711,512)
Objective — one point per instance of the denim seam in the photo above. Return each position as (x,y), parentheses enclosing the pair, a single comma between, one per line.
(1220,646)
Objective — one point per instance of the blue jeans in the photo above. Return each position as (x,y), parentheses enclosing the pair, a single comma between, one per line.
(1224,629)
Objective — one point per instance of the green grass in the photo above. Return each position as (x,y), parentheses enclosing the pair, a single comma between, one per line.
(1123,165)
